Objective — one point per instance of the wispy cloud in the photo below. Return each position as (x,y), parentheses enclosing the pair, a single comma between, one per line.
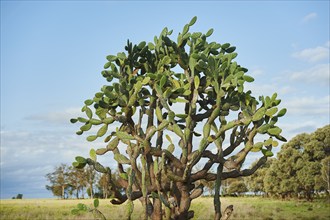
(308,106)
(319,74)
(268,89)
(313,54)
(309,17)
(327,44)
(256,71)
(57,117)
(292,129)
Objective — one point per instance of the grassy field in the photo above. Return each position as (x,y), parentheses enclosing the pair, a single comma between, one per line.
(244,208)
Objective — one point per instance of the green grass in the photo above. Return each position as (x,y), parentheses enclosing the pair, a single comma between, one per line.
(264,209)
(249,208)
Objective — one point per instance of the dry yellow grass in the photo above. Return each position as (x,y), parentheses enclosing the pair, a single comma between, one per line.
(244,208)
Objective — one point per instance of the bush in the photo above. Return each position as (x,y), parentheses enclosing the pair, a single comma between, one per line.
(19,196)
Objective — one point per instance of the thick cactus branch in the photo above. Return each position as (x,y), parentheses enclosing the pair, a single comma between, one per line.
(158,153)
(235,141)
(202,116)
(216,199)
(235,173)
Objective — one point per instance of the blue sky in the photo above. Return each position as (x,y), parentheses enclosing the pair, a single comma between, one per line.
(52,54)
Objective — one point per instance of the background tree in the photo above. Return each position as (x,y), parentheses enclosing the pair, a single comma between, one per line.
(59,180)
(224,186)
(237,187)
(69,180)
(77,180)
(282,175)
(298,169)
(172,102)
(324,181)
(104,187)
(255,182)
(233,187)
(90,180)
(19,196)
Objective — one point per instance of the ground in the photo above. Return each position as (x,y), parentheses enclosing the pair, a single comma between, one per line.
(247,208)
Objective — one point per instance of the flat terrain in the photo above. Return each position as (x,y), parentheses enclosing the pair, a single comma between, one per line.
(248,208)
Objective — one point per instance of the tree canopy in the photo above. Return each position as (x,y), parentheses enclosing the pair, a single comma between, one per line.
(66,180)
(301,168)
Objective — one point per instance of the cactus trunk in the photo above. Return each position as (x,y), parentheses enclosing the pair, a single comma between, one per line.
(217,202)
(157,213)
(184,203)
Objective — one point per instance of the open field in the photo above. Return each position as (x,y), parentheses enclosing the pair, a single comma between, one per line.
(244,208)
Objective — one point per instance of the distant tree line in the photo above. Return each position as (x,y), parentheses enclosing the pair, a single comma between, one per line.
(301,169)
(70,182)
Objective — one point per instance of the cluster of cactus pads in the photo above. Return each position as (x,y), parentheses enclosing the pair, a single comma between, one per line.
(168,105)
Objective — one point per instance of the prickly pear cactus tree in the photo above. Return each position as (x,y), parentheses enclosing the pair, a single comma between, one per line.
(168,106)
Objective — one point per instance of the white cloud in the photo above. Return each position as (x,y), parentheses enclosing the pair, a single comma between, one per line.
(57,117)
(263,89)
(319,74)
(309,17)
(308,106)
(257,71)
(313,54)
(327,44)
(293,129)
